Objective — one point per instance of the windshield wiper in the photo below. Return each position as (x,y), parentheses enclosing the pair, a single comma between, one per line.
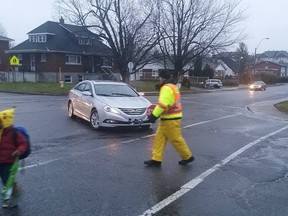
(122,94)
(104,95)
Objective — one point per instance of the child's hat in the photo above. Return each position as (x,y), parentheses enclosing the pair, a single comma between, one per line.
(7,117)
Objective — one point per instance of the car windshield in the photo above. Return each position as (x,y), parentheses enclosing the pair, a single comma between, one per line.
(258,82)
(114,90)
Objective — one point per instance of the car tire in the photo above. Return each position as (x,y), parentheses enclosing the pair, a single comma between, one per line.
(216,86)
(94,120)
(71,110)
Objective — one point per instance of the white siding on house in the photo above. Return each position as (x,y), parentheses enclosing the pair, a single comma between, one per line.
(223,70)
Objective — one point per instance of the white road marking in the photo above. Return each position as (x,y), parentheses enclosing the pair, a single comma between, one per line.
(194,182)
(224,117)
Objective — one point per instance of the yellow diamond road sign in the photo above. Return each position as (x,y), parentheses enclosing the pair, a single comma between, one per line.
(14,61)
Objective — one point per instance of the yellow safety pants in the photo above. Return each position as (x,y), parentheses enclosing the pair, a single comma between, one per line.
(170,130)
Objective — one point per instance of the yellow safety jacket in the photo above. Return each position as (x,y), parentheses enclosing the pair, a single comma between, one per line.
(169,103)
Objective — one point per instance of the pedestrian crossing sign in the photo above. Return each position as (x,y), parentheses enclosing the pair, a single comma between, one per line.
(14,61)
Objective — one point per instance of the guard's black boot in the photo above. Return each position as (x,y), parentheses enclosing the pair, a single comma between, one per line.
(153,163)
(185,162)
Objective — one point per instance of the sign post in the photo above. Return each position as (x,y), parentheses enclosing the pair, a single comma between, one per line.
(14,61)
(130,66)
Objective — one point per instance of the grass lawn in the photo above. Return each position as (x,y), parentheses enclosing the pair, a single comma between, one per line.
(282,106)
(55,88)
(144,86)
(49,88)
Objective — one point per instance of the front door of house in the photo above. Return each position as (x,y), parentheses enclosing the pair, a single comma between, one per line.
(32,62)
(92,64)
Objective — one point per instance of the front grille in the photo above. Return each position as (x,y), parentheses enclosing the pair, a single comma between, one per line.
(133,111)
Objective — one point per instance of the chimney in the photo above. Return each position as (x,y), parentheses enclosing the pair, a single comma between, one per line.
(61,21)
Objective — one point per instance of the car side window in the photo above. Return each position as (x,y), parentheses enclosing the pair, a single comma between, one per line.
(88,87)
(80,87)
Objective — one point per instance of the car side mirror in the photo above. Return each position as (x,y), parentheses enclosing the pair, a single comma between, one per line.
(86,93)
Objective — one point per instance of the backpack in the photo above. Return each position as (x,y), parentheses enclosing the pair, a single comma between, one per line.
(24,132)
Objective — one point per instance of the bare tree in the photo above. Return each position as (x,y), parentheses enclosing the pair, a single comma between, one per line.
(123,24)
(191,28)
(2,31)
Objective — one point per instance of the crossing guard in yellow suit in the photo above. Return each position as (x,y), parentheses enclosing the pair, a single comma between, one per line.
(169,110)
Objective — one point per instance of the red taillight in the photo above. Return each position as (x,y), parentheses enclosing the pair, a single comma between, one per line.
(150,109)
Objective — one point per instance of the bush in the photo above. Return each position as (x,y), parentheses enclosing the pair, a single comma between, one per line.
(267,78)
(185,82)
(283,79)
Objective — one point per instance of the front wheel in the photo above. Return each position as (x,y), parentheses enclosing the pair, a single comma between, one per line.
(94,120)
(71,110)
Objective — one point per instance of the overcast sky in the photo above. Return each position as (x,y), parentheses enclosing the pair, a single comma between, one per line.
(265,18)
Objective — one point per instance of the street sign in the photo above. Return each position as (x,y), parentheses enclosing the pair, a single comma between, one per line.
(14,61)
(130,66)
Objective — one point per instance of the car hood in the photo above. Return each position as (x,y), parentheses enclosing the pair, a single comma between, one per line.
(126,102)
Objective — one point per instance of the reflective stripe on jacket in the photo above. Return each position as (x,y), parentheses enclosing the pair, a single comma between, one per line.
(169,103)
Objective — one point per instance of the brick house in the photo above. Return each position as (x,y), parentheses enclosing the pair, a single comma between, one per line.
(55,51)
(278,57)
(269,68)
(4,58)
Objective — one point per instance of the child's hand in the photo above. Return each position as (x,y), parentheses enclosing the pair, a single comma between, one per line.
(16,153)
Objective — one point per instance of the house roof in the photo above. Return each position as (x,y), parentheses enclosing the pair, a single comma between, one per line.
(62,38)
(274,54)
(230,63)
(270,63)
(2,38)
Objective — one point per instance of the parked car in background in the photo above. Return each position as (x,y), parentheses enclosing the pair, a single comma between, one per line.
(108,104)
(258,85)
(216,83)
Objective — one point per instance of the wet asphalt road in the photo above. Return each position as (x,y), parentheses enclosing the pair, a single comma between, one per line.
(240,168)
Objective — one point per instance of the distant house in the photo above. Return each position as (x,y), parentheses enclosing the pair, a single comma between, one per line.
(150,71)
(278,57)
(273,56)
(227,64)
(4,57)
(226,67)
(56,51)
(272,68)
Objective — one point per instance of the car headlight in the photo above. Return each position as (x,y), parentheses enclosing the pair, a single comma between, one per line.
(111,109)
(251,86)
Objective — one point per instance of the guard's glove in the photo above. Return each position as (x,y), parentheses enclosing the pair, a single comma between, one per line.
(16,153)
(152,118)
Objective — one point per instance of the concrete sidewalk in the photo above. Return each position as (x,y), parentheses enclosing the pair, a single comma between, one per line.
(267,109)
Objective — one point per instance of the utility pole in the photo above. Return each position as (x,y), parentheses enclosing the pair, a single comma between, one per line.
(254,69)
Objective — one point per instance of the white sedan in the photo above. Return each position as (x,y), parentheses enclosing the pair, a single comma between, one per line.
(258,85)
(108,104)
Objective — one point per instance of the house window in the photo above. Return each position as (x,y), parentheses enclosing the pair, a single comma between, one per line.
(32,38)
(43,58)
(38,38)
(84,41)
(41,38)
(73,59)
(140,73)
(154,73)
(68,79)
(80,78)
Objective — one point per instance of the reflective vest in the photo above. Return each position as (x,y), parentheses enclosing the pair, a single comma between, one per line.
(169,103)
